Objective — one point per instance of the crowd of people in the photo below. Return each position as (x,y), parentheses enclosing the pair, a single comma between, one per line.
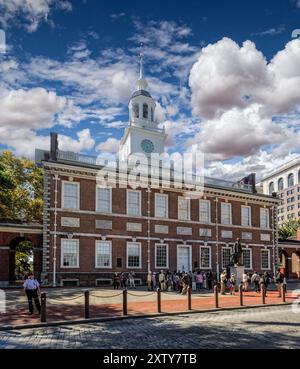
(259,281)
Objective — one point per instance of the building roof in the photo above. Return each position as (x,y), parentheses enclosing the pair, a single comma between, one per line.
(282,168)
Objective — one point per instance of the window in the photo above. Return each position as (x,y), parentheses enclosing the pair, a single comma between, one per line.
(103,254)
(205,232)
(280,184)
(247,258)
(204,211)
(291,199)
(290,192)
(246,216)
(183,208)
(271,188)
(265,259)
(161,256)
(225,213)
(103,199)
(70,195)
(69,253)
(145,111)
(161,205)
(152,114)
(264,218)
(136,110)
(290,180)
(133,202)
(134,255)
(205,258)
(226,256)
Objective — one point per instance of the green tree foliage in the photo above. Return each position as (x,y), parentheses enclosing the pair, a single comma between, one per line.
(24,258)
(288,229)
(21,188)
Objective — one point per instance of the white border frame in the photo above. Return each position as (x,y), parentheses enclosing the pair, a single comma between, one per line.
(63,194)
(140,205)
(250,216)
(209,211)
(204,247)
(110,264)
(167,207)
(189,208)
(167,257)
(110,200)
(140,252)
(61,254)
(230,213)
(269,259)
(190,256)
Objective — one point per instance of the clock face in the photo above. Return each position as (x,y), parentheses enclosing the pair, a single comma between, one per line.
(147,146)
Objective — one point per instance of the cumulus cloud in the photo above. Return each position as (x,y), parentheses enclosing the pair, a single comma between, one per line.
(32,12)
(111,145)
(83,143)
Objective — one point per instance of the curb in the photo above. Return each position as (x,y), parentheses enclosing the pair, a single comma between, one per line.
(125,317)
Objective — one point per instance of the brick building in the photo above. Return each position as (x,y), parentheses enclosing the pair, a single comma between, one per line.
(91,231)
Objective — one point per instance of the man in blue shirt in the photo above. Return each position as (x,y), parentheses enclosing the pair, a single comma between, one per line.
(32,288)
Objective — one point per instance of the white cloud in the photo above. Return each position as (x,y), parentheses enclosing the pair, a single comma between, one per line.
(33,12)
(84,142)
(111,145)
(271,31)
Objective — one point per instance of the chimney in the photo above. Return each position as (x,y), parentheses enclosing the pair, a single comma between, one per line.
(53,146)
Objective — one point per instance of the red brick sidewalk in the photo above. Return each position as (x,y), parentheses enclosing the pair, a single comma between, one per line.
(66,311)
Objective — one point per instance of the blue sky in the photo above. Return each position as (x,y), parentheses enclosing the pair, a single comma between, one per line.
(225,76)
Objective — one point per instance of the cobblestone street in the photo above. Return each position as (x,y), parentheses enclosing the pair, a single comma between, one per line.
(269,327)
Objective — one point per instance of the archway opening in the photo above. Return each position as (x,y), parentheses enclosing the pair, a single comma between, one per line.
(21,259)
(296,264)
(284,263)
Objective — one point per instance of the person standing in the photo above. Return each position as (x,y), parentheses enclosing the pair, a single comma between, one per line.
(154,280)
(149,281)
(131,279)
(245,282)
(161,280)
(279,281)
(32,290)
(232,284)
(255,279)
(209,278)
(223,282)
(266,281)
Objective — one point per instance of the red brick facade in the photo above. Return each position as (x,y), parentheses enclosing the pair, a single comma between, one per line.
(87,233)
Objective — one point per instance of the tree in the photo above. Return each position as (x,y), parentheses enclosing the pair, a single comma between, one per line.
(288,229)
(21,188)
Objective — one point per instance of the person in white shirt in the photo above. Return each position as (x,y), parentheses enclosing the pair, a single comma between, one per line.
(31,289)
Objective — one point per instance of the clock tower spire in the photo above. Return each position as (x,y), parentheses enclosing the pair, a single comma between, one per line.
(142,134)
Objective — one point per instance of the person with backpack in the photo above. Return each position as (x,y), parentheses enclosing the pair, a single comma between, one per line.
(279,281)
(255,279)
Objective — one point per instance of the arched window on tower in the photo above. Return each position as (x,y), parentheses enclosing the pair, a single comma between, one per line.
(291,180)
(145,110)
(280,184)
(136,110)
(152,117)
(271,188)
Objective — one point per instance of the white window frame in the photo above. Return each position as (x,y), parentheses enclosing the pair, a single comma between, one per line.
(140,255)
(251,260)
(200,265)
(223,203)
(190,256)
(62,253)
(268,217)
(110,199)
(208,221)
(167,205)
(96,258)
(63,194)
(189,208)
(228,248)
(140,203)
(167,256)
(249,220)
(269,259)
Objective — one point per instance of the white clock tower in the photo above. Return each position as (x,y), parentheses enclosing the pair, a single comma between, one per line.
(142,134)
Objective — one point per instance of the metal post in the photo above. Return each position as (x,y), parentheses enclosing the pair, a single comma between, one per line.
(189,294)
(43,307)
(241,294)
(125,302)
(216,296)
(158,300)
(263,294)
(283,293)
(87,304)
